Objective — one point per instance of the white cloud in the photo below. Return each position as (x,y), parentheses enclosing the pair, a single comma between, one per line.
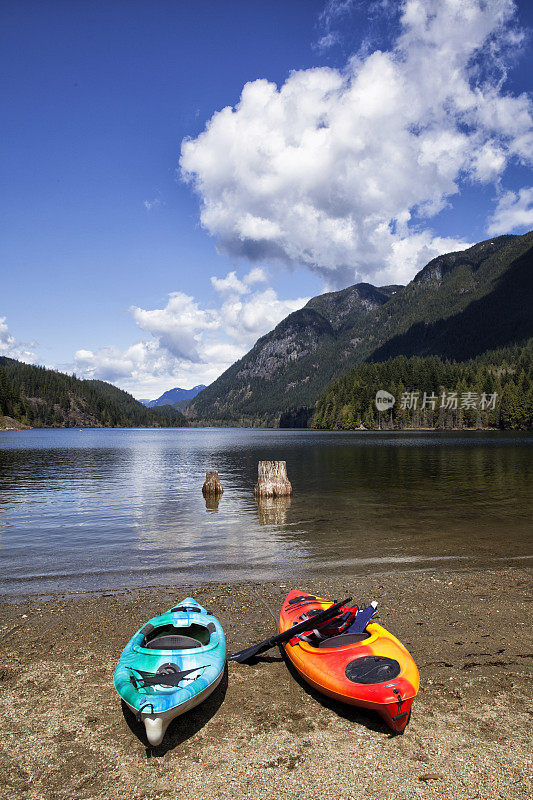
(150,204)
(327,41)
(12,348)
(178,326)
(514,211)
(329,170)
(232,285)
(189,344)
(245,319)
(229,285)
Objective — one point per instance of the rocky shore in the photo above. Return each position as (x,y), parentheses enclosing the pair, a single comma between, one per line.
(263,734)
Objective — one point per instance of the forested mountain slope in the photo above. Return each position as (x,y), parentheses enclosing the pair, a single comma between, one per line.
(494,390)
(292,364)
(41,397)
(458,306)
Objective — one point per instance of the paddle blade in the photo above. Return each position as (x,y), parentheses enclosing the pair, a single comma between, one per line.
(362,618)
(250,652)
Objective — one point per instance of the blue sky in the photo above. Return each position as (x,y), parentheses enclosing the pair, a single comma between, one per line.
(109,247)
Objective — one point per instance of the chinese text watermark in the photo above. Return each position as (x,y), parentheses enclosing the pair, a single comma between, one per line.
(448,401)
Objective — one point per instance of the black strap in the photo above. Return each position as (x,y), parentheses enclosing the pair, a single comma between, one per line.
(173,678)
(186,609)
(299,599)
(148,628)
(138,715)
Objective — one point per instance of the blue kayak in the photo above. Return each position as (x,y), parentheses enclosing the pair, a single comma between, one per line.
(172,664)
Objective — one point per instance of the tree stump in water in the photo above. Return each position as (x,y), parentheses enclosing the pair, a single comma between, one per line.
(212,486)
(272,480)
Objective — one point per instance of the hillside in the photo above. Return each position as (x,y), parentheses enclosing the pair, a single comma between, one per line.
(291,365)
(494,390)
(458,306)
(39,397)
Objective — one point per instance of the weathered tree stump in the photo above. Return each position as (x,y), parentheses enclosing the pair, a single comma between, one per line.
(212,486)
(272,480)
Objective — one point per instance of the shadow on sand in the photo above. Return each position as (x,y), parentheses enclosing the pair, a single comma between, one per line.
(360,716)
(184,726)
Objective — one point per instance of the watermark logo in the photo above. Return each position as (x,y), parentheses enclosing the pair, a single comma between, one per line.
(449,401)
(384,400)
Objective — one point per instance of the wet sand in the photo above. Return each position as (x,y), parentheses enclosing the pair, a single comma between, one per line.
(263,734)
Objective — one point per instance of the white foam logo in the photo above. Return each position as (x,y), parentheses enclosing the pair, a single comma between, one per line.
(384,400)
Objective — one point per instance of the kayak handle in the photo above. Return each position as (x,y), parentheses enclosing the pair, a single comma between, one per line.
(138,715)
(399,716)
(400,713)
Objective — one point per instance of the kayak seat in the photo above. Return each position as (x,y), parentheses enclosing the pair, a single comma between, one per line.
(343,639)
(173,643)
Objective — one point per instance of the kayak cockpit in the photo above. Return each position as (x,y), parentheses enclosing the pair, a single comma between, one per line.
(178,637)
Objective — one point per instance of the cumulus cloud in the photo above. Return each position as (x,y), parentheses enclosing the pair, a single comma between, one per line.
(178,326)
(12,348)
(342,171)
(130,365)
(189,344)
(232,285)
(514,211)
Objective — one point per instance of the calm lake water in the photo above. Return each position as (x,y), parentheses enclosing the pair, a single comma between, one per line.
(103,509)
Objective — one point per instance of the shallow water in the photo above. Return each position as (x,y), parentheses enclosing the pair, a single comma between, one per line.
(104,509)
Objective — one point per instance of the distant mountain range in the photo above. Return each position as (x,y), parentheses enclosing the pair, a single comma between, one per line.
(458,306)
(179,398)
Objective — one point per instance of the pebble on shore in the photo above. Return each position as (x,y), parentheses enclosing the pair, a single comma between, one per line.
(263,734)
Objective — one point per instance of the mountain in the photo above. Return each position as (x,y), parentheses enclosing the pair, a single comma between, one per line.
(348,307)
(458,306)
(41,397)
(179,398)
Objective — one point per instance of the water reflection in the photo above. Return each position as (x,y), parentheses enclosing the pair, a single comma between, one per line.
(120,507)
(272,510)
(212,502)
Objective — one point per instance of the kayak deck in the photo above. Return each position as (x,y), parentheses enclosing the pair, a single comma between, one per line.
(375,672)
(171,665)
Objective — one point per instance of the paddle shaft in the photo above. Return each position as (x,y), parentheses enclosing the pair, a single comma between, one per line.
(315,622)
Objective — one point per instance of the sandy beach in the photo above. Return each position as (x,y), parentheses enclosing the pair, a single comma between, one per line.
(263,734)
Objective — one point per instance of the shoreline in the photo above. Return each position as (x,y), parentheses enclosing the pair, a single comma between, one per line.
(393,573)
(264,732)
(18,427)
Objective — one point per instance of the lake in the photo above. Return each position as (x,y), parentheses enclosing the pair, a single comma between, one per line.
(111,508)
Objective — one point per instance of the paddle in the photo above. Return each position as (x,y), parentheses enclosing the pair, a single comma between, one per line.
(280,638)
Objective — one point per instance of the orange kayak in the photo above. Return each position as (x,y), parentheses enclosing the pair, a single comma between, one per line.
(371,670)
